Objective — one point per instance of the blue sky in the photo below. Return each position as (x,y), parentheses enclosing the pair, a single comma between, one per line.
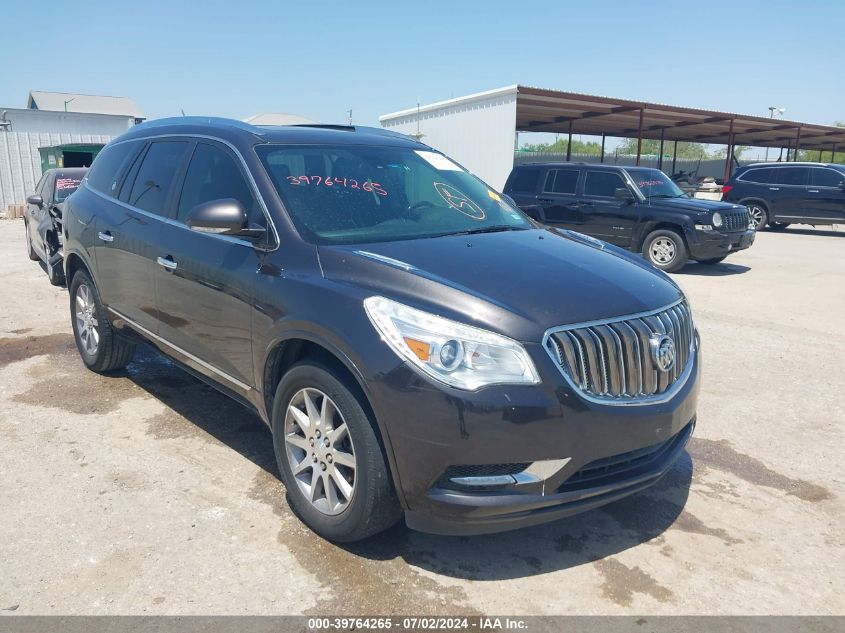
(318,59)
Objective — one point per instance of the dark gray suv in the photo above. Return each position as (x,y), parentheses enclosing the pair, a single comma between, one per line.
(780,194)
(417,345)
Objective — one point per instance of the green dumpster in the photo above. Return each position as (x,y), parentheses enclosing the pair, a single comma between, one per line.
(69,155)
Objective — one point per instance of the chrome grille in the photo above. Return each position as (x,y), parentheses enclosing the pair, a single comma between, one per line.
(736,221)
(611,361)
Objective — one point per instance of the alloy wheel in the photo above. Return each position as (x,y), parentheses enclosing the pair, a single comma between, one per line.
(87,326)
(319,451)
(663,250)
(758,216)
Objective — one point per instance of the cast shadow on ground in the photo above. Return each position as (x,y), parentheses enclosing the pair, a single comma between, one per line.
(794,230)
(560,545)
(723,269)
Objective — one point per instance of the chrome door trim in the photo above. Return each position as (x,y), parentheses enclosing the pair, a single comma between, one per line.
(105,236)
(199,361)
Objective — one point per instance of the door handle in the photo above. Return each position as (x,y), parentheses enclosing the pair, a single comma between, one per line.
(812,190)
(106,236)
(774,188)
(167,262)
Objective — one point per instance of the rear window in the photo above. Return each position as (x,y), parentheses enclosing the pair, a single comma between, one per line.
(525,180)
(756,175)
(562,181)
(789,176)
(65,185)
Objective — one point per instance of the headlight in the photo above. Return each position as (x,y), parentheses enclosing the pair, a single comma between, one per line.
(460,355)
(717,219)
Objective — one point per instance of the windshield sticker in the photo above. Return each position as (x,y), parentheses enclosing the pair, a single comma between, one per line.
(334,181)
(650,183)
(67,183)
(438,161)
(459,201)
(494,195)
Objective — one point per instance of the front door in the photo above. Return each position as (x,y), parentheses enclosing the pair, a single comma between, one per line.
(602,214)
(204,282)
(825,200)
(787,189)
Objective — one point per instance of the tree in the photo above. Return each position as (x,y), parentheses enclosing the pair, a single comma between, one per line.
(686,149)
(812,155)
(559,147)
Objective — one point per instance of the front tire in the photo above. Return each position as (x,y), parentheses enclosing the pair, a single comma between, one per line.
(666,250)
(329,456)
(759,215)
(101,348)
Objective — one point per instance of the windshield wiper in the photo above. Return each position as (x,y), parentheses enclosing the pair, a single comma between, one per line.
(490,229)
(663,195)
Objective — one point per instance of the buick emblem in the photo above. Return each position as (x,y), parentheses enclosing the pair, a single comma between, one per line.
(662,351)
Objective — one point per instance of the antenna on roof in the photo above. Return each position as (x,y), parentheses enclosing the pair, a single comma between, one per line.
(349,112)
(418,135)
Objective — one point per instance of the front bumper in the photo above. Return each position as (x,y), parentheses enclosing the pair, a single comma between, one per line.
(714,244)
(433,429)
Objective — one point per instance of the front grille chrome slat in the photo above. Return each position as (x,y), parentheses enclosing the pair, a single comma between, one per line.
(612,362)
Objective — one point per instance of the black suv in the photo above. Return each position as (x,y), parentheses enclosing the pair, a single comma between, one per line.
(780,194)
(416,344)
(637,208)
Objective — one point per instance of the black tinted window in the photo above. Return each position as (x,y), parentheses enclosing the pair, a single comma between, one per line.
(525,181)
(155,176)
(821,177)
(789,176)
(562,180)
(213,174)
(107,168)
(602,183)
(757,175)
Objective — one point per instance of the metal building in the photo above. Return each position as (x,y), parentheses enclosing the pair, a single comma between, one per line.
(45,123)
(479,130)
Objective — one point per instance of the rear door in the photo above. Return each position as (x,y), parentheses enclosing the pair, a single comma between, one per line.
(787,190)
(131,227)
(825,201)
(204,282)
(602,214)
(558,197)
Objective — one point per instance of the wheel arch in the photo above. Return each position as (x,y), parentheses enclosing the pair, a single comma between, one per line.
(298,346)
(73,263)
(659,225)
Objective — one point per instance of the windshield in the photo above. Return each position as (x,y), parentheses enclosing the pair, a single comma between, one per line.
(653,183)
(65,186)
(356,194)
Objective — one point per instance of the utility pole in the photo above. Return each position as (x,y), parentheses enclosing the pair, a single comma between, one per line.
(772,110)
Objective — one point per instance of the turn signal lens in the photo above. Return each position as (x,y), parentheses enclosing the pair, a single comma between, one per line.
(421,349)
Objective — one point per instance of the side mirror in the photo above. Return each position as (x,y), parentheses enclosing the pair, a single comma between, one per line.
(36,200)
(225,216)
(623,194)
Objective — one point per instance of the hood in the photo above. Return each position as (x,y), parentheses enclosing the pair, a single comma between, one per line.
(696,205)
(518,283)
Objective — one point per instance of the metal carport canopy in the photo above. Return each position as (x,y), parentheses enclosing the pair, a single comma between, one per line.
(540,110)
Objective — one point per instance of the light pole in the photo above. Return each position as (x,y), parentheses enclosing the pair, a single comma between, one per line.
(773,110)
(67,102)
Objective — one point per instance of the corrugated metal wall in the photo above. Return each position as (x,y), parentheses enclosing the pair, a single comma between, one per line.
(479,134)
(20,162)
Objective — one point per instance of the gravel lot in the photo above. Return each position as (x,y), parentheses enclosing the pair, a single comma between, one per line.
(150,493)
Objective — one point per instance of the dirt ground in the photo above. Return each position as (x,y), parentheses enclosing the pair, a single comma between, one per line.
(150,493)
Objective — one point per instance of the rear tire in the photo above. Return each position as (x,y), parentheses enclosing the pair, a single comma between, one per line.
(101,348)
(778,226)
(665,250)
(712,260)
(342,488)
(29,250)
(759,215)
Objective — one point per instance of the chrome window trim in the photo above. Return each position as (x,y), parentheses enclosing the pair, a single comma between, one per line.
(243,386)
(627,402)
(250,180)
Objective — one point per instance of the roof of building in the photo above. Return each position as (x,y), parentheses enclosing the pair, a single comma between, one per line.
(277,118)
(90,104)
(541,110)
